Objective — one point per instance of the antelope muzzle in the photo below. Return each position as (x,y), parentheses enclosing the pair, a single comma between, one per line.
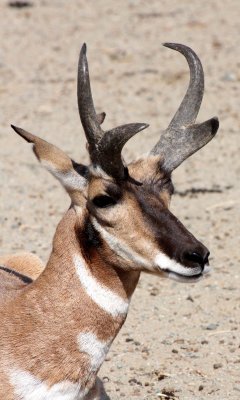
(182,257)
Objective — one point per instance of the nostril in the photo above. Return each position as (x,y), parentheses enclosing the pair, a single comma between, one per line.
(206,258)
(195,257)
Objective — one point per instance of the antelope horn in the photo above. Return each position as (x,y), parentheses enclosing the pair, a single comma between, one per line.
(181,139)
(104,147)
(111,145)
(90,120)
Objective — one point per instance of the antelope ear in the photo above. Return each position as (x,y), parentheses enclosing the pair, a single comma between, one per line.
(73,176)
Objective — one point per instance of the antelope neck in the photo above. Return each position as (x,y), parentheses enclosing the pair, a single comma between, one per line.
(77,306)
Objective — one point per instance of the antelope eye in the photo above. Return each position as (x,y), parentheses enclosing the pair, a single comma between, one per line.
(169,185)
(103,201)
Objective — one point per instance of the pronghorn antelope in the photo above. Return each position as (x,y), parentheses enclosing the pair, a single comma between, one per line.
(57,329)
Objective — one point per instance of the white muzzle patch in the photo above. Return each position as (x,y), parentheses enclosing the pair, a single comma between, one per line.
(177,271)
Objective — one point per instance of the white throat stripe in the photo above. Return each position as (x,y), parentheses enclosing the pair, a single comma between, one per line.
(100,294)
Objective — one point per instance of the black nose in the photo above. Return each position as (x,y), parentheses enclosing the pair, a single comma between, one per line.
(196,257)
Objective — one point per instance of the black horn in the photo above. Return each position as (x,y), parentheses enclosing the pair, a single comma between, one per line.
(104,147)
(182,138)
(90,120)
(111,147)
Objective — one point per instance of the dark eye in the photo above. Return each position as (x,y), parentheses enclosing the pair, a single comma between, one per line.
(103,201)
(169,185)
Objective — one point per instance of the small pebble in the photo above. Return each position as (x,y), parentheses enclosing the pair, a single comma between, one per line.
(137,343)
(229,77)
(211,327)
(217,365)
(20,4)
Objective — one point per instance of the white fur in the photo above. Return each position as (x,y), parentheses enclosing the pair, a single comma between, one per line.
(97,171)
(28,387)
(95,348)
(100,294)
(122,249)
(165,263)
(70,180)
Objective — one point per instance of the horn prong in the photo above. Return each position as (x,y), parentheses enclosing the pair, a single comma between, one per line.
(111,145)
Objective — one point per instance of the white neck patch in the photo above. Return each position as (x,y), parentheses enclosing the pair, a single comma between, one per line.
(95,348)
(99,293)
(28,387)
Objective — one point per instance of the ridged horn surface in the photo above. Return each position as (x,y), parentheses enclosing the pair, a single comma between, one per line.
(182,138)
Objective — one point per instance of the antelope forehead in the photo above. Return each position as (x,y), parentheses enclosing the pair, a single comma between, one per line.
(146,166)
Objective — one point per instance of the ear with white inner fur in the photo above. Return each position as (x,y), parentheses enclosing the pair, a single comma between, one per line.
(71,175)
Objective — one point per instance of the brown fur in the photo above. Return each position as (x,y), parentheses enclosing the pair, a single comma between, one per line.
(48,314)
(26,263)
(53,305)
(40,321)
(59,325)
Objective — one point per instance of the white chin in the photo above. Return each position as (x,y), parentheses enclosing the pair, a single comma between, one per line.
(185,278)
(174,270)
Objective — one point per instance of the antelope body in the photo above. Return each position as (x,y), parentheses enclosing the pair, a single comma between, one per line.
(57,326)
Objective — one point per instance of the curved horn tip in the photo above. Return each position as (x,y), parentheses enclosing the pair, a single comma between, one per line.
(171,45)
(177,46)
(214,125)
(136,127)
(143,126)
(83,49)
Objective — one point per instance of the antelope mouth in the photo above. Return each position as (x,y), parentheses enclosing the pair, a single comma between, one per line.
(183,278)
(186,278)
(170,268)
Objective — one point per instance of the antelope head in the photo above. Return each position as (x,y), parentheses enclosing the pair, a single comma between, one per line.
(122,211)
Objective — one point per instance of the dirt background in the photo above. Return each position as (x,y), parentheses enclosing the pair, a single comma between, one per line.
(180,341)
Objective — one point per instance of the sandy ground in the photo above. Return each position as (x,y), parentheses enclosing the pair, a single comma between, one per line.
(179,340)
